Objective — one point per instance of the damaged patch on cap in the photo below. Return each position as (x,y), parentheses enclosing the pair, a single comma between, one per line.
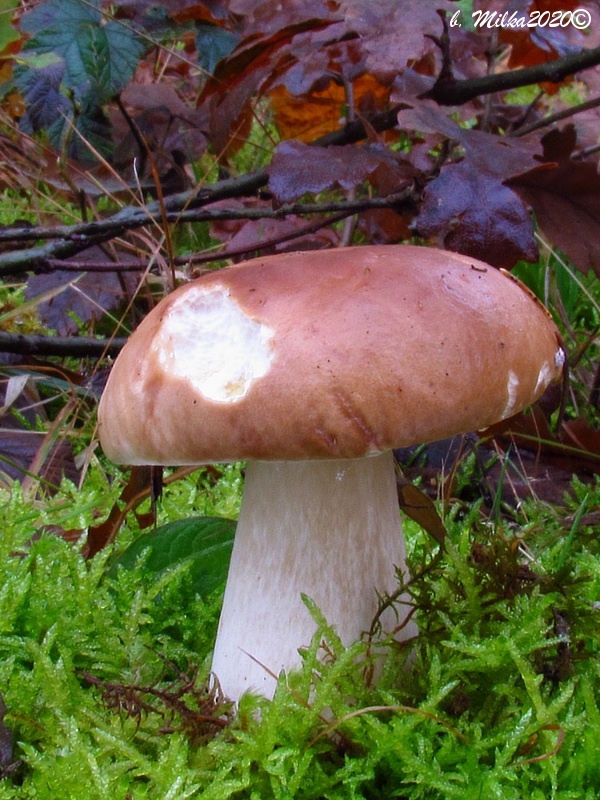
(207,339)
(512,387)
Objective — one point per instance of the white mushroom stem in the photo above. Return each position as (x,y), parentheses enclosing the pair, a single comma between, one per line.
(327,529)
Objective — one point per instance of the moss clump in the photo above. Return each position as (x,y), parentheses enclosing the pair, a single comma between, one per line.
(103,673)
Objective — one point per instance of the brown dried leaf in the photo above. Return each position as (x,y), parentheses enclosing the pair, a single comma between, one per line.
(297,168)
(467,207)
(471,212)
(579,434)
(83,296)
(140,486)
(566,200)
(421,508)
(308,116)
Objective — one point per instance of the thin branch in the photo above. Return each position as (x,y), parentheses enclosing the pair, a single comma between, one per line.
(566,113)
(341,206)
(75,346)
(263,244)
(81,236)
(204,257)
(455,93)
(98,266)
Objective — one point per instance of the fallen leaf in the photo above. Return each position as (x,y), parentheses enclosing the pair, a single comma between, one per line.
(75,297)
(565,198)
(421,508)
(469,207)
(139,487)
(297,168)
(471,212)
(308,116)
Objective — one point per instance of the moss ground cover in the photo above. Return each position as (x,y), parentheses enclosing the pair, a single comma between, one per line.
(103,669)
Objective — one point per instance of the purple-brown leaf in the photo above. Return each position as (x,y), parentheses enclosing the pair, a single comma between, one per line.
(471,212)
(565,198)
(298,168)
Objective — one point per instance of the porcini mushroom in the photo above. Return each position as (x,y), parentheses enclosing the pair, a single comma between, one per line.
(312,366)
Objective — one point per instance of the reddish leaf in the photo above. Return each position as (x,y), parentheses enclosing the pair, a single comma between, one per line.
(84,296)
(297,168)
(394,34)
(559,143)
(501,156)
(472,213)
(258,17)
(385,226)
(539,43)
(467,208)
(187,10)
(269,235)
(139,487)
(566,200)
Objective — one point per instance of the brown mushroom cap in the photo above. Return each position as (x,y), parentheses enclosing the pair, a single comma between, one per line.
(327,354)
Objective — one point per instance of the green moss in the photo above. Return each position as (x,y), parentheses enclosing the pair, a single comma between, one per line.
(499,698)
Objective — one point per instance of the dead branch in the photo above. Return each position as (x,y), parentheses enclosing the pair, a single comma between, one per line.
(75,346)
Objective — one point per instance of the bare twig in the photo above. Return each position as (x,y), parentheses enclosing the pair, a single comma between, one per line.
(76,238)
(454,93)
(76,346)
(566,113)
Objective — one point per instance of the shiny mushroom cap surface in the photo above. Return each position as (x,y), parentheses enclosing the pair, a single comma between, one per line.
(339,353)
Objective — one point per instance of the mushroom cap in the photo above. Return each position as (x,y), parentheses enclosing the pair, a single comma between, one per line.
(327,354)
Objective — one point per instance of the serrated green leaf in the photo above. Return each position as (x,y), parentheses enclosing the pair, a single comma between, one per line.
(96,60)
(41,61)
(124,50)
(57,14)
(205,542)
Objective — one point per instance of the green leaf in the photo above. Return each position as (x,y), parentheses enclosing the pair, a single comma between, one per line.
(39,81)
(57,15)
(213,44)
(124,50)
(100,58)
(73,52)
(206,542)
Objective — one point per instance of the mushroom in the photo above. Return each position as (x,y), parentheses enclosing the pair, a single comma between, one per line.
(312,366)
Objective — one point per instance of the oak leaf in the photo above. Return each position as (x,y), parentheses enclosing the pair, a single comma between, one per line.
(297,168)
